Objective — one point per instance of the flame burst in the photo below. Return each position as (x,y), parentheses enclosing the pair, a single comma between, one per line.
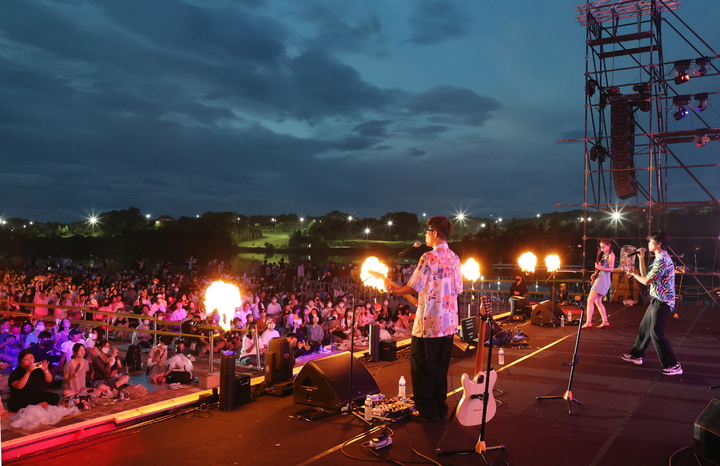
(225,298)
(527,262)
(373,264)
(552,262)
(470,270)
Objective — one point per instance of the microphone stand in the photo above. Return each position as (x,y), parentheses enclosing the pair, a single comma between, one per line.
(568,393)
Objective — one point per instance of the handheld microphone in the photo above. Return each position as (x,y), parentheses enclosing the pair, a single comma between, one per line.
(416,244)
(637,251)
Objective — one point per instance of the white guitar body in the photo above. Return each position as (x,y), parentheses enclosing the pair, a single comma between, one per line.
(470,408)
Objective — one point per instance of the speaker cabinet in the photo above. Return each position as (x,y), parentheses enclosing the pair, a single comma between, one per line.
(279,361)
(242,389)
(388,350)
(707,433)
(326,382)
(543,314)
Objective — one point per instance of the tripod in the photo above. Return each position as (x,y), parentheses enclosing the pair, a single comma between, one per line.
(568,393)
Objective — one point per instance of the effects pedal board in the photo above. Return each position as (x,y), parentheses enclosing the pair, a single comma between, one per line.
(391,409)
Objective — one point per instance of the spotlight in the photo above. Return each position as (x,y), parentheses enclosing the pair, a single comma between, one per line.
(590,87)
(598,154)
(681,74)
(701,66)
(701,139)
(681,102)
(643,90)
(701,101)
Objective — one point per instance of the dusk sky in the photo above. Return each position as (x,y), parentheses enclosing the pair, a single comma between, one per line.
(297,106)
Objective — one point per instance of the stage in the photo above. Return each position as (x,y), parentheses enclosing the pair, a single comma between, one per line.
(630,414)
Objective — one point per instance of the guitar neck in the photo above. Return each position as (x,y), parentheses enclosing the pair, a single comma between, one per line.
(479,355)
(410,298)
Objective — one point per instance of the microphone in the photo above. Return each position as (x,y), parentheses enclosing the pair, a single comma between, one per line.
(416,244)
(637,251)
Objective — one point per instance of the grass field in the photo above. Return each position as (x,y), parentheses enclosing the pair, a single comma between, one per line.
(279,240)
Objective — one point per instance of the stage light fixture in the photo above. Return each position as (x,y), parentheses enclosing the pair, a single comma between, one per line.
(701,101)
(681,102)
(598,154)
(701,139)
(681,71)
(590,87)
(701,66)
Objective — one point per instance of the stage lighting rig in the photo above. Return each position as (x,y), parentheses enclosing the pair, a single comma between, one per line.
(681,71)
(681,102)
(701,101)
(701,66)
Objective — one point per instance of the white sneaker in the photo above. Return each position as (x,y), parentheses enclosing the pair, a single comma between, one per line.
(673,370)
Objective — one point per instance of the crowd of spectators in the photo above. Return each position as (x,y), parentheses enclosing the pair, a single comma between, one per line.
(41,333)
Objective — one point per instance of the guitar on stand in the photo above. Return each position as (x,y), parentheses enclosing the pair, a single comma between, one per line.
(477,405)
(472,404)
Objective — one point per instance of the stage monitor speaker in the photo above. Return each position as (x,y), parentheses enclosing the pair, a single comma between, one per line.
(279,361)
(543,313)
(460,348)
(325,382)
(707,433)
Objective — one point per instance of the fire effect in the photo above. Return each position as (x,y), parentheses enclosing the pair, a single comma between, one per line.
(527,262)
(373,264)
(225,298)
(470,270)
(552,262)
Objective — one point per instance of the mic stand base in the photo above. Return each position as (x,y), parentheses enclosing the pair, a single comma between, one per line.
(567,396)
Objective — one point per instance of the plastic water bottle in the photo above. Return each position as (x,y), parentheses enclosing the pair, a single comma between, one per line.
(368,408)
(569,319)
(501,357)
(401,387)
(562,321)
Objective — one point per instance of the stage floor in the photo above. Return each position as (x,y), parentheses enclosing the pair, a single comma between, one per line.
(629,414)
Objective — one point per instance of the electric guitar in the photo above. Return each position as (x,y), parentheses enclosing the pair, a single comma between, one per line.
(470,409)
(410,298)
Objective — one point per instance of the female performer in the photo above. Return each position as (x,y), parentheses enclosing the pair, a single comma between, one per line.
(601,284)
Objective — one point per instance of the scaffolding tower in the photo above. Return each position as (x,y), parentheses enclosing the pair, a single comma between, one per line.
(646,130)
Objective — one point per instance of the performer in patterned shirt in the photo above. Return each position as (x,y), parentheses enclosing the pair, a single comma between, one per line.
(661,281)
(438,282)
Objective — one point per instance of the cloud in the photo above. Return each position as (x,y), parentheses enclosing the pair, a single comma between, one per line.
(373,128)
(436,21)
(453,105)
(415,152)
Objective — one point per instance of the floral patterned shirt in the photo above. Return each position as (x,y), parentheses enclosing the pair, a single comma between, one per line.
(662,285)
(438,281)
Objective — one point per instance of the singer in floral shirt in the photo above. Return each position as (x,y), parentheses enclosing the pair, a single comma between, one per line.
(438,282)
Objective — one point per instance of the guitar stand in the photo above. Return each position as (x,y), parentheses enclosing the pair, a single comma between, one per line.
(568,393)
(481,447)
